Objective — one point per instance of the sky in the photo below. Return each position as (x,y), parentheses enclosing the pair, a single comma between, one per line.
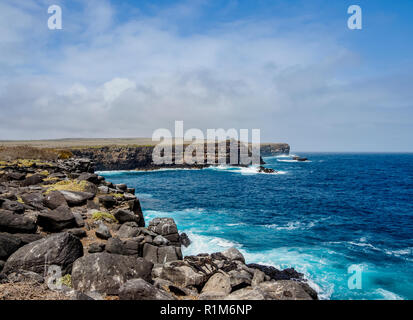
(292,69)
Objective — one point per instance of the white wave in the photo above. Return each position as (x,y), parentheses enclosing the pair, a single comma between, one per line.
(114,172)
(251,170)
(293,161)
(388,295)
(144,195)
(292,225)
(235,224)
(205,244)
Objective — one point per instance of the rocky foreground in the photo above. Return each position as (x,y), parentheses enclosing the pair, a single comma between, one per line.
(67,233)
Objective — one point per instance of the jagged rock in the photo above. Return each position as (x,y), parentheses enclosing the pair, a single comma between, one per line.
(160,241)
(76,198)
(180,273)
(2,263)
(166,254)
(170,287)
(285,290)
(128,230)
(78,232)
(239,278)
(25,276)
(135,207)
(184,240)
(103,231)
(8,245)
(163,226)
(131,247)
(79,219)
(275,274)
(15,175)
(54,199)
(16,223)
(247,294)
(107,201)
(60,249)
(150,253)
(13,206)
(121,186)
(218,283)
(114,245)
(90,177)
(139,289)
(92,205)
(32,180)
(96,247)
(130,190)
(34,200)
(233,254)
(258,278)
(128,196)
(123,216)
(106,273)
(56,220)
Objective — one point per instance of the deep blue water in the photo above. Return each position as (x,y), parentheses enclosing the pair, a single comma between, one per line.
(319,217)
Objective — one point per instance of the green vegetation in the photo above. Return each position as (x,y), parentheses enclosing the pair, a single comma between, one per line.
(66,280)
(68,185)
(100,215)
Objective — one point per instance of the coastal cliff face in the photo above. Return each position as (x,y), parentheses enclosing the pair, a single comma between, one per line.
(274,149)
(140,157)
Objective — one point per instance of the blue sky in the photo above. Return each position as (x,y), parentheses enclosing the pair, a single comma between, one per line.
(290,68)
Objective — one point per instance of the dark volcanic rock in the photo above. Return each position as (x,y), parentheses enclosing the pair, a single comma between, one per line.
(90,177)
(139,289)
(276,274)
(128,230)
(13,206)
(107,201)
(114,245)
(60,249)
(106,273)
(135,207)
(16,223)
(54,199)
(8,245)
(76,198)
(27,238)
(34,200)
(96,247)
(57,220)
(103,232)
(184,239)
(123,216)
(34,179)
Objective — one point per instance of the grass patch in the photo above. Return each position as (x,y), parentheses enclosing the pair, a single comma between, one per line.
(68,185)
(66,280)
(20,200)
(100,215)
(117,195)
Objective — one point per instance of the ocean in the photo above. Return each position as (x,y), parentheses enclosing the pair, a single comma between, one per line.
(320,216)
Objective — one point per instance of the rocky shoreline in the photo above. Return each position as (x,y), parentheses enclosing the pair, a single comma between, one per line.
(67,233)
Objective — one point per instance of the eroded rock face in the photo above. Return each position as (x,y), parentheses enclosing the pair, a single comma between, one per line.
(123,216)
(54,199)
(60,249)
(8,245)
(75,198)
(285,290)
(139,289)
(219,283)
(106,273)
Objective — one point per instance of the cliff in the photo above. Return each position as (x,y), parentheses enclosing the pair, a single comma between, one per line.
(140,157)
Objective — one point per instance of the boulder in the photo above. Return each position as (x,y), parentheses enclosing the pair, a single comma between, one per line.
(247,294)
(78,232)
(181,274)
(54,199)
(233,254)
(258,278)
(76,198)
(128,230)
(184,240)
(150,253)
(139,289)
(96,247)
(160,241)
(131,247)
(123,216)
(14,175)
(219,283)
(34,200)
(121,186)
(16,223)
(166,254)
(32,180)
(8,245)
(275,274)
(13,206)
(79,219)
(163,226)
(114,245)
(90,177)
(135,207)
(107,201)
(285,290)
(27,238)
(60,249)
(106,273)
(103,231)
(56,220)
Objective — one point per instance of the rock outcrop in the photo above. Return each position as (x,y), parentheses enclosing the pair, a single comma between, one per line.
(93,234)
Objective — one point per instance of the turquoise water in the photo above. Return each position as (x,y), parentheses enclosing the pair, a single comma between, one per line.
(319,217)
